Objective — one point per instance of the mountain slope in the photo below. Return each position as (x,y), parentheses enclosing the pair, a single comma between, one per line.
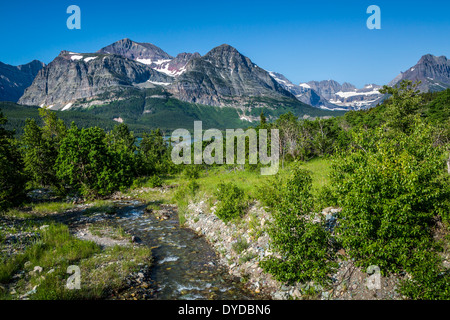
(73,76)
(142,52)
(432,71)
(224,77)
(120,75)
(347,95)
(15,79)
(304,93)
(150,55)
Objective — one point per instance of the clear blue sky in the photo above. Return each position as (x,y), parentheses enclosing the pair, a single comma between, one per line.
(304,40)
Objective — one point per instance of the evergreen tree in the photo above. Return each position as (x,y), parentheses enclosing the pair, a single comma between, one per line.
(41,146)
(12,177)
(404,101)
(154,153)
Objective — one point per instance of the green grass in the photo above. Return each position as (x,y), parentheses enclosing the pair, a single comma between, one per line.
(17,213)
(56,246)
(320,169)
(104,229)
(56,249)
(210,178)
(153,206)
(103,206)
(47,208)
(248,180)
(39,210)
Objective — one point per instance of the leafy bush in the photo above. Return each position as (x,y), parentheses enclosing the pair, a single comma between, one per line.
(301,246)
(193,187)
(154,154)
(391,188)
(192,171)
(231,202)
(430,281)
(155,182)
(88,165)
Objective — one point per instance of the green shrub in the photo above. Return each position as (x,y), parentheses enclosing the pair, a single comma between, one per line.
(193,187)
(429,280)
(391,188)
(155,182)
(325,198)
(302,246)
(192,171)
(240,245)
(90,166)
(231,202)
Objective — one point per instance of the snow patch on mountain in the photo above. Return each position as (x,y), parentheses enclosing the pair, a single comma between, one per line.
(67,106)
(76,57)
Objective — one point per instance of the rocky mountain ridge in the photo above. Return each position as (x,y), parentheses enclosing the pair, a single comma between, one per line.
(222,77)
(346,95)
(15,79)
(74,76)
(432,71)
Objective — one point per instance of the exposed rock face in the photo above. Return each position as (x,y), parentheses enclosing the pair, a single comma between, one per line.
(136,51)
(328,88)
(432,71)
(176,66)
(73,76)
(304,93)
(346,95)
(15,79)
(150,55)
(224,76)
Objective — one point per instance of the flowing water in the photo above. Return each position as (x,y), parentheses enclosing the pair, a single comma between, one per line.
(185,265)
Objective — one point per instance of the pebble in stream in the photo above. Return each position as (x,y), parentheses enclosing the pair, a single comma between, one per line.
(185,266)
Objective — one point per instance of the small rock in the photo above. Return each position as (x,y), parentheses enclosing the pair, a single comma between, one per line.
(296,294)
(136,239)
(325,295)
(37,269)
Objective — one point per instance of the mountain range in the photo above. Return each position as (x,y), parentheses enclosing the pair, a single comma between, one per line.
(432,71)
(15,79)
(223,77)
